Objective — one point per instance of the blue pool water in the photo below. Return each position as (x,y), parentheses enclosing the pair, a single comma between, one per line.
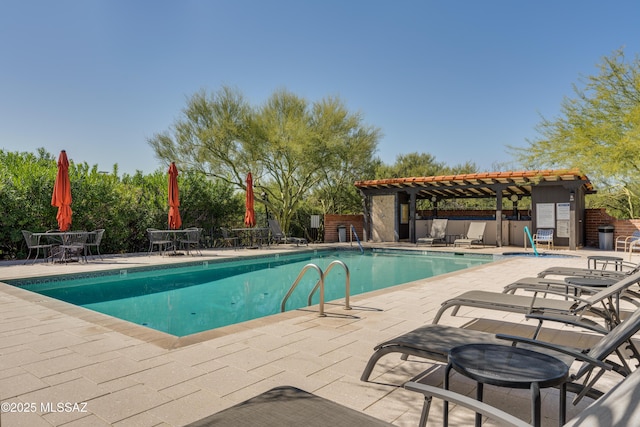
(184,300)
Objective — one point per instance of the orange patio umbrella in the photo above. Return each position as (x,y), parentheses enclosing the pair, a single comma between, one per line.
(249,215)
(61,197)
(175,221)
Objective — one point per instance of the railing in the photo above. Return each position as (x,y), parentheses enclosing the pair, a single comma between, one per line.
(319,284)
(295,283)
(347,285)
(533,244)
(353,233)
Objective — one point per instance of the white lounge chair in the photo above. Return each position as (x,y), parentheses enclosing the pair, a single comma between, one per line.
(475,234)
(437,234)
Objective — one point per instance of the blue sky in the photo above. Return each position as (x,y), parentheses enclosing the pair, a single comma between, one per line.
(459,79)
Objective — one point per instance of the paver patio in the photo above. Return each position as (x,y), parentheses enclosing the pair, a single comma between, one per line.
(121,374)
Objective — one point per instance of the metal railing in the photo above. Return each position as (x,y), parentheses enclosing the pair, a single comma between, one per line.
(319,284)
(347,285)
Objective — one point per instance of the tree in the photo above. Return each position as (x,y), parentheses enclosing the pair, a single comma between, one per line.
(421,164)
(291,147)
(598,131)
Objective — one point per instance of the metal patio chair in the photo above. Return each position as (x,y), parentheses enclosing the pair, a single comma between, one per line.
(191,240)
(159,238)
(93,241)
(33,243)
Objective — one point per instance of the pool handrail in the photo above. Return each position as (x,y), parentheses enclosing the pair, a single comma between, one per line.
(353,232)
(295,283)
(533,243)
(347,285)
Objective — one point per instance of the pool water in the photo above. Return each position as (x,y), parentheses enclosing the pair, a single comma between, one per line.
(206,295)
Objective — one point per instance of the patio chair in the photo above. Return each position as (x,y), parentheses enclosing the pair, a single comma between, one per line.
(434,342)
(525,304)
(191,240)
(33,243)
(625,243)
(544,236)
(289,406)
(589,272)
(475,234)
(619,406)
(73,245)
(93,241)
(227,239)
(279,237)
(159,239)
(554,286)
(437,234)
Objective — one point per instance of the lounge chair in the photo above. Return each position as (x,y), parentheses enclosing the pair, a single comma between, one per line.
(33,243)
(554,286)
(589,272)
(619,407)
(475,234)
(434,342)
(279,237)
(437,234)
(544,236)
(570,304)
(289,406)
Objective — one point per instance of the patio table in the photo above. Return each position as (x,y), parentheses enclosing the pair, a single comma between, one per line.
(166,237)
(68,246)
(509,366)
(605,260)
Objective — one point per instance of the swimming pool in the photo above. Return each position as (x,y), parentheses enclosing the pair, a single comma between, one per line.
(194,297)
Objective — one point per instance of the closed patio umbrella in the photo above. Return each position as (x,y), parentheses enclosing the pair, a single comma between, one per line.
(249,215)
(175,222)
(61,197)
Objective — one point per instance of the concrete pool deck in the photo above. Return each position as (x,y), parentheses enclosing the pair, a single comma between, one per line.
(104,371)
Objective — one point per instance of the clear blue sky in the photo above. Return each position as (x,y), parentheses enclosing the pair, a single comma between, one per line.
(459,79)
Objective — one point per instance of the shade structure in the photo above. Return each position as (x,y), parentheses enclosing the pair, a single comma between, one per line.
(175,221)
(61,197)
(250,214)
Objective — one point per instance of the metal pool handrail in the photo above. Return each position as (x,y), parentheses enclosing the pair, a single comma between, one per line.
(533,243)
(295,283)
(347,286)
(353,230)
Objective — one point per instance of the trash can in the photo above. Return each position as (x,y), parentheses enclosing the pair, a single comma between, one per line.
(605,237)
(342,233)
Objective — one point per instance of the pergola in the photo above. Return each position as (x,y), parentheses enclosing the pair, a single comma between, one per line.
(497,185)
